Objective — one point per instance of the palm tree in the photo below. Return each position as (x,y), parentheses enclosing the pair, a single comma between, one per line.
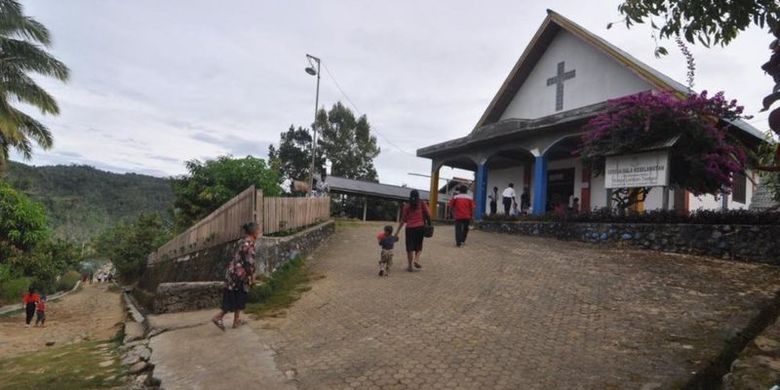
(22,43)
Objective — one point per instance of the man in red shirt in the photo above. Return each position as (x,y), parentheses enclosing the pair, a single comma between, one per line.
(462,206)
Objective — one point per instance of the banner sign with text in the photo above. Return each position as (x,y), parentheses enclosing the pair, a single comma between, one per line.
(649,169)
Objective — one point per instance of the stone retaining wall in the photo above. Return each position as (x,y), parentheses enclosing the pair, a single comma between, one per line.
(187,296)
(756,243)
(166,285)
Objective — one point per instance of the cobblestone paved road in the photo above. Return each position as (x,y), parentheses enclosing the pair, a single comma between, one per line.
(512,312)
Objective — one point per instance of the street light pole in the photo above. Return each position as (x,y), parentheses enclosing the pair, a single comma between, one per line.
(310,70)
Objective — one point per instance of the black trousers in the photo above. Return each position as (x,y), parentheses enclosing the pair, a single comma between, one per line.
(507,205)
(30,312)
(461,230)
(493,207)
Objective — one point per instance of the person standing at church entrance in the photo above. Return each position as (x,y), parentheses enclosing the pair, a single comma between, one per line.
(462,209)
(525,201)
(509,198)
(494,201)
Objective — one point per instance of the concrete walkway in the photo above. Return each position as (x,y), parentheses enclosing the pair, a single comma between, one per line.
(193,354)
(503,312)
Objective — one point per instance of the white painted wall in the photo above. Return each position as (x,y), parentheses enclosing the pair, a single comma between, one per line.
(598,194)
(654,201)
(711,202)
(598,78)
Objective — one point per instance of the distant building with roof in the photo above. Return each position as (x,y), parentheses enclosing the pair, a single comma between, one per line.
(372,190)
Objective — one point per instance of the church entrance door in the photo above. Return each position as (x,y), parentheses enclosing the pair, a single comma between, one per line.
(560,187)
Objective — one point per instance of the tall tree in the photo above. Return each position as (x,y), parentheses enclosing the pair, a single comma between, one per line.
(22,40)
(292,159)
(128,245)
(210,184)
(348,143)
(22,225)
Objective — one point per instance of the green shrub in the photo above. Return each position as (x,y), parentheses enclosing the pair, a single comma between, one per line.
(279,291)
(11,290)
(68,281)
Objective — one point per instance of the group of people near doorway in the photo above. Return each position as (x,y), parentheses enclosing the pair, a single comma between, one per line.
(510,202)
(514,208)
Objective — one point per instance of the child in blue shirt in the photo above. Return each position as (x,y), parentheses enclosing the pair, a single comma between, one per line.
(386,240)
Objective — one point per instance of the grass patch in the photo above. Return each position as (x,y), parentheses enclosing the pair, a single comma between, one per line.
(119,336)
(74,366)
(68,281)
(285,286)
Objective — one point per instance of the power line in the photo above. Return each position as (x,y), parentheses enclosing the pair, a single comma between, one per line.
(338,86)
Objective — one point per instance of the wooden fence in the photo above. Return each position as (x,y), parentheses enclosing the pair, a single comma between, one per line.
(272,214)
(281,214)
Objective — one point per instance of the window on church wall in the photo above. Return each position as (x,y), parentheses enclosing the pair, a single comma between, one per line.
(739,191)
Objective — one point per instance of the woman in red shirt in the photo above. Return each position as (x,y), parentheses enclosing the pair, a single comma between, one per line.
(415,216)
(30,299)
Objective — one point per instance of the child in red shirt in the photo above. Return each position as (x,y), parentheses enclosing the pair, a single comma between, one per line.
(40,312)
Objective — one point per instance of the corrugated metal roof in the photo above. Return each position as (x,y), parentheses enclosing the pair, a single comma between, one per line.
(371,189)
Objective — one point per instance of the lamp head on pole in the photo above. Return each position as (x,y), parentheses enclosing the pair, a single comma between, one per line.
(310,69)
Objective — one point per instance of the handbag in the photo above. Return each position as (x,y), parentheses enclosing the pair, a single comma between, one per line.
(428,227)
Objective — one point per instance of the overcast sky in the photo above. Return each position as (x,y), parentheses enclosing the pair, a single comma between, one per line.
(155,83)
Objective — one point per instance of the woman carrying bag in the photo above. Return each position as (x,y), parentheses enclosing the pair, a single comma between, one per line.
(417,218)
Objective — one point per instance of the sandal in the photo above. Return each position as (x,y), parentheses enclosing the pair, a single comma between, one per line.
(219,324)
(239,323)
(417,265)
(410,269)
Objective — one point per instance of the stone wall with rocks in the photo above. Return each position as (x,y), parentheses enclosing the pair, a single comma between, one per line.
(187,296)
(757,243)
(135,348)
(167,285)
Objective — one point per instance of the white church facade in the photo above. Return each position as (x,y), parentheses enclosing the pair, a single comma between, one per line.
(529,133)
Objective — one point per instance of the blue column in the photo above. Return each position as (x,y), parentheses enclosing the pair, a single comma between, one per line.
(480,190)
(540,185)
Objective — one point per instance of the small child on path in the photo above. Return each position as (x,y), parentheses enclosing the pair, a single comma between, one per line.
(40,312)
(386,240)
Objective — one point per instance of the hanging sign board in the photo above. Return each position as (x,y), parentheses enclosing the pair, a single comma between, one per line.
(650,169)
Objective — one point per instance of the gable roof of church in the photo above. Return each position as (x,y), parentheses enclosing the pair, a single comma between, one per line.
(552,24)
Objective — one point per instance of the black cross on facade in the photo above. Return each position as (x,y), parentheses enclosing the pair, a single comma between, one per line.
(558,81)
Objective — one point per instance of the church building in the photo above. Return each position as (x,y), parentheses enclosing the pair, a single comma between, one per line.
(530,132)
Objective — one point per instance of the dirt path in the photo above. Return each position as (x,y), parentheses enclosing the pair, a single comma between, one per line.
(93,313)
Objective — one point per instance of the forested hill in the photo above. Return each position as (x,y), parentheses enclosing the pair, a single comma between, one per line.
(82,201)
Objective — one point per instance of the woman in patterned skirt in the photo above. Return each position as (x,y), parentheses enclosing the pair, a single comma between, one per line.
(239,277)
